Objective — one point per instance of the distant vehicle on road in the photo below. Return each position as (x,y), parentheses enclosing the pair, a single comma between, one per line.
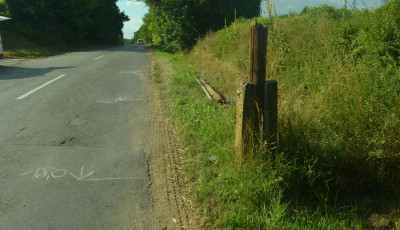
(140,42)
(2,18)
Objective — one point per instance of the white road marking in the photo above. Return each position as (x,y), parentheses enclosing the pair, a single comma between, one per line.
(99,57)
(81,176)
(51,172)
(118,100)
(27,172)
(127,72)
(122,178)
(36,89)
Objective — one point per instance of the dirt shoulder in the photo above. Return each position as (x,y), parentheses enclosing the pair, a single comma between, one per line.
(173,208)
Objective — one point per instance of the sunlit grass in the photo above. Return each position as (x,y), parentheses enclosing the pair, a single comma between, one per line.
(22,53)
(232,194)
(339,112)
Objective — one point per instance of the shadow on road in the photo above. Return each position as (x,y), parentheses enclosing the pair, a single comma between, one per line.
(13,72)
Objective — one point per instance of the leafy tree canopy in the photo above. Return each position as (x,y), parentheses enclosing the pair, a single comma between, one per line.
(176,24)
(71,21)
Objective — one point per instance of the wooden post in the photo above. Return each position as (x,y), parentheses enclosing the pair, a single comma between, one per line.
(245,114)
(258,69)
(250,100)
(270,126)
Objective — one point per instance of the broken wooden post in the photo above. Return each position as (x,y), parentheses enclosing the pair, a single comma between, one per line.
(270,126)
(250,99)
(245,114)
(258,69)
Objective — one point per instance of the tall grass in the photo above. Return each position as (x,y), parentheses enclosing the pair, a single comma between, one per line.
(230,193)
(339,75)
(339,119)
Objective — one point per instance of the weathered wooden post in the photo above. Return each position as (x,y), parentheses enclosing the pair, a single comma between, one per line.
(250,101)
(270,125)
(258,67)
(245,117)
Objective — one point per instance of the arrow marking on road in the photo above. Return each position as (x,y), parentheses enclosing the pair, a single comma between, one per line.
(81,177)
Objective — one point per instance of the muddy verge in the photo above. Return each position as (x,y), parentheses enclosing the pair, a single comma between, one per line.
(173,208)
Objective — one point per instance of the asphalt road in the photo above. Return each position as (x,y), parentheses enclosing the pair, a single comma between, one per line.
(73,140)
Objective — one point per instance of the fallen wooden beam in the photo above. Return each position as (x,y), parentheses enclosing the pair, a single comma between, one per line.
(210,92)
(204,88)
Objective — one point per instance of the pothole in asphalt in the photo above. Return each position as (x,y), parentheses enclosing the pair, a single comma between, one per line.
(70,141)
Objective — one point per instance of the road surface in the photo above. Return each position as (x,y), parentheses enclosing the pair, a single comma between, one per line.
(74,135)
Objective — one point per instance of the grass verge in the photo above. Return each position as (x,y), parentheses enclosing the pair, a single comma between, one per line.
(339,104)
(19,47)
(231,194)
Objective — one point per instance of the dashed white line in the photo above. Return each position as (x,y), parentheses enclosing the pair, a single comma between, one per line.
(36,89)
(99,57)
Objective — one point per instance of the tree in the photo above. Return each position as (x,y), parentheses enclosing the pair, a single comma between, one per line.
(107,22)
(178,23)
(70,21)
(145,32)
(4,8)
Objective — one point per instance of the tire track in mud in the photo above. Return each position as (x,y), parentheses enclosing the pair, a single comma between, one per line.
(173,167)
(172,208)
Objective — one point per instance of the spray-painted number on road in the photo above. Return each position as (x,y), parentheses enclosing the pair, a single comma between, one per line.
(47,173)
(54,173)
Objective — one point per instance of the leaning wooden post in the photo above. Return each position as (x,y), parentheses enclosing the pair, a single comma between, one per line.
(250,99)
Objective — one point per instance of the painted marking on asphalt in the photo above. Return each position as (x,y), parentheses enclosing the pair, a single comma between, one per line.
(99,57)
(81,176)
(118,100)
(38,88)
(23,174)
(54,173)
(121,178)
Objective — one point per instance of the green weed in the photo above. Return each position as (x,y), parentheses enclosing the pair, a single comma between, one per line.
(28,54)
(339,111)
(231,193)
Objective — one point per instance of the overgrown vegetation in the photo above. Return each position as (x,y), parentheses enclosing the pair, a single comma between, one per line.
(337,164)
(19,46)
(175,25)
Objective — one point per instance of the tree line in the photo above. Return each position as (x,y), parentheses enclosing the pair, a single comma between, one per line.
(176,24)
(69,21)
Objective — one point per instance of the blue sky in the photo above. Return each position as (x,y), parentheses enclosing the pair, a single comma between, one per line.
(136,10)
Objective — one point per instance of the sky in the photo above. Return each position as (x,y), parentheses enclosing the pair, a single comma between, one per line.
(287,6)
(136,10)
